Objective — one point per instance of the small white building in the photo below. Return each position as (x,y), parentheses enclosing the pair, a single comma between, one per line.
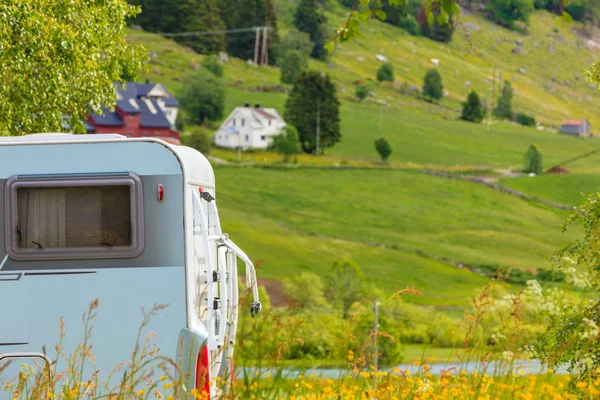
(249,128)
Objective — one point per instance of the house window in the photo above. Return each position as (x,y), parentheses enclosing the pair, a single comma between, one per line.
(269,122)
(234,122)
(128,134)
(157,134)
(247,138)
(263,138)
(144,134)
(75,218)
(243,121)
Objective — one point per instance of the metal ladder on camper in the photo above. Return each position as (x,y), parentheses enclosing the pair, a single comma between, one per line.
(218,306)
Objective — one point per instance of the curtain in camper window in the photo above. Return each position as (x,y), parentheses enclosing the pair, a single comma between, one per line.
(42,217)
(97,216)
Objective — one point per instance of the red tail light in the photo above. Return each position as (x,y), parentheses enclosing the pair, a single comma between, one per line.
(203,372)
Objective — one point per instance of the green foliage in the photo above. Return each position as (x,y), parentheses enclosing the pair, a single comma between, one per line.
(184,16)
(287,143)
(308,18)
(306,292)
(385,73)
(383,148)
(504,107)
(213,65)
(198,139)
(506,12)
(525,120)
(54,66)
(362,92)
(292,65)
(533,161)
(203,96)
(313,92)
(433,90)
(410,24)
(295,41)
(346,284)
(472,109)
(571,337)
(437,20)
(247,14)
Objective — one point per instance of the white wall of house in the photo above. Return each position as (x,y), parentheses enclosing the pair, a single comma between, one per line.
(249,128)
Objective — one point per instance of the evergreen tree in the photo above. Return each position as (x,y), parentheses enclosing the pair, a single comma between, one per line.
(472,109)
(433,90)
(248,14)
(291,66)
(504,107)
(311,92)
(184,16)
(386,73)
(533,161)
(309,19)
(383,148)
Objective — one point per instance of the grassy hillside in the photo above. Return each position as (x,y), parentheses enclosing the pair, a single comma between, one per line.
(570,189)
(290,217)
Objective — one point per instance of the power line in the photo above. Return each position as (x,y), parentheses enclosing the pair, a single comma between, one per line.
(213,33)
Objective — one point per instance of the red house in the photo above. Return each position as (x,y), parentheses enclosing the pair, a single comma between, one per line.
(142,110)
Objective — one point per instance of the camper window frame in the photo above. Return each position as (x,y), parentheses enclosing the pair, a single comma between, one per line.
(74,180)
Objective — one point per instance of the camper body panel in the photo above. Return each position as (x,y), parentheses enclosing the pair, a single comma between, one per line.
(40,292)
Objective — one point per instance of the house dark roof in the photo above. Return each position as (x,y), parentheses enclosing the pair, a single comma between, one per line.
(127,107)
(265,114)
(149,119)
(110,118)
(136,94)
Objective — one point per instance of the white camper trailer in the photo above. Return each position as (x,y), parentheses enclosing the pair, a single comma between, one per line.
(130,222)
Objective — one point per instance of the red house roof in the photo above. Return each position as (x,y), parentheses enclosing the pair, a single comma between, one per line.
(572,122)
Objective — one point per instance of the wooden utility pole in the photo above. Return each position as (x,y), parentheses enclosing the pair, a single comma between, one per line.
(265,47)
(256,44)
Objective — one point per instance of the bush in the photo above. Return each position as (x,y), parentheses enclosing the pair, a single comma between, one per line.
(292,65)
(362,92)
(472,109)
(433,90)
(287,143)
(525,120)
(383,148)
(386,73)
(410,25)
(214,65)
(203,96)
(506,12)
(533,161)
(198,139)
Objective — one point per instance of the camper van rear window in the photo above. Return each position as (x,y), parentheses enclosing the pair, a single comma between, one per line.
(66,218)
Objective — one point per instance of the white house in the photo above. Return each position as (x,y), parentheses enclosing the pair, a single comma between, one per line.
(249,128)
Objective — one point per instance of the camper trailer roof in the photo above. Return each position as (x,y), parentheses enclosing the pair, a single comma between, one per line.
(196,166)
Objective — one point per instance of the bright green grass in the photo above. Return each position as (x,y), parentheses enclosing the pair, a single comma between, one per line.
(416,137)
(273,211)
(568,189)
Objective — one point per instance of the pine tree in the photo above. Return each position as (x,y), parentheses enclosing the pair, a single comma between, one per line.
(292,64)
(533,161)
(472,109)
(433,90)
(311,92)
(504,107)
(201,16)
(309,19)
(248,14)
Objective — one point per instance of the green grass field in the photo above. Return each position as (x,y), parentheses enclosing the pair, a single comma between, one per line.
(393,223)
(571,189)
